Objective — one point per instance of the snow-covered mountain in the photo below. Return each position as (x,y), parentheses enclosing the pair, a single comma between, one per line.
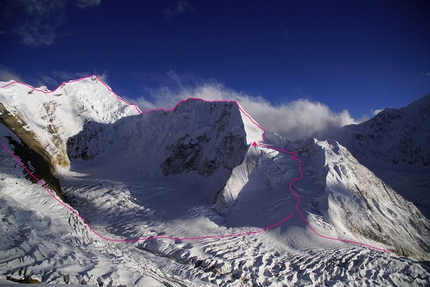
(45,120)
(193,196)
(200,137)
(395,144)
(393,135)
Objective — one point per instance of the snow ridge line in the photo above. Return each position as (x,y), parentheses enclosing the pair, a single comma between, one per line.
(93,77)
(293,156)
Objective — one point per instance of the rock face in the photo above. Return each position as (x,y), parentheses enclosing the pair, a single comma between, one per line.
(196,136)
(218,142)
(393,135)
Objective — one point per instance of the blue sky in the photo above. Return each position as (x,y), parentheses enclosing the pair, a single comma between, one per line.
(348,55)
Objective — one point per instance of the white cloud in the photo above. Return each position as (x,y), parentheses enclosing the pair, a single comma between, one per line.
(36,22)
(42,19)
(48,81)
(88,3)
(377,111)
(51,80)
(103,77)
(7,74)
(181,7)
(36,35)
(301,118)
(67,75)
(426,74)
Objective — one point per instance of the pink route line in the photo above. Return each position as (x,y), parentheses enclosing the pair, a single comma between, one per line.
(261,143)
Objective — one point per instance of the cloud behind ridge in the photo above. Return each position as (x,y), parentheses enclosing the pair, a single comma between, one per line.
(297,119)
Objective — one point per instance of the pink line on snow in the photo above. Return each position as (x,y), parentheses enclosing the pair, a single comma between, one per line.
(73,81)
(140,238)
(261,143)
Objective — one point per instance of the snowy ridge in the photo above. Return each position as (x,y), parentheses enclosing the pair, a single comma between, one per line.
(357,202)
(49,118)
(170,177)
(393,135)
(337,197)
(395,144)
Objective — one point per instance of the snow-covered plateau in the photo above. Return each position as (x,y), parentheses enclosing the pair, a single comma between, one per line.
(199,195)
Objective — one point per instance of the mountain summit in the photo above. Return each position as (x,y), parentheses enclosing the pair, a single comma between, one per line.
(196,136)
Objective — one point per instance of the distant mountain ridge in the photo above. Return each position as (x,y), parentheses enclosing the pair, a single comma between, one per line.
(393,135)
(395,144)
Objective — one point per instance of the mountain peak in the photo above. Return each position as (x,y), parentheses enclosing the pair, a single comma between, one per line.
(393,135)
(48,118)
(196,135)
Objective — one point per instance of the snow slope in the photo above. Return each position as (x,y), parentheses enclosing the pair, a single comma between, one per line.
(355,201)
(395,144)
(192,195)
(47,119)
(43,241)
(393,135)
(338,196)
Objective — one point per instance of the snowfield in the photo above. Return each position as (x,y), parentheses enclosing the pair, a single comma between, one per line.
(199,195)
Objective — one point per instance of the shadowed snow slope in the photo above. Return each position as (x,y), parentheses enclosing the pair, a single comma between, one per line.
(395,145)
(182,197)
(196,136)
(192,148)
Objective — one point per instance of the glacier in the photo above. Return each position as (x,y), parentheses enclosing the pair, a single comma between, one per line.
(170,177)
